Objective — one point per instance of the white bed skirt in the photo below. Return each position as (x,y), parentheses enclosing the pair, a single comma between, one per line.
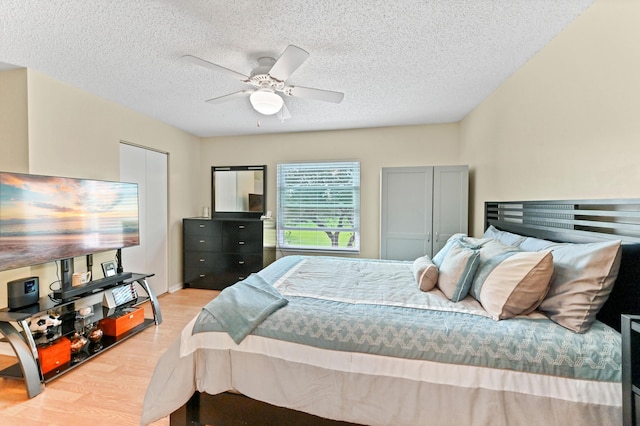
(372,389)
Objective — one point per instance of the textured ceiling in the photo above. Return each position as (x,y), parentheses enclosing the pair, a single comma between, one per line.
(401,62)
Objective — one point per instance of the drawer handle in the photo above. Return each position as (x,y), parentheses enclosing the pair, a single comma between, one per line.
(201,275)
(241,278)
(201,226)
(202,241)
(202,260)
(241,262)
(241,243)
(240,226)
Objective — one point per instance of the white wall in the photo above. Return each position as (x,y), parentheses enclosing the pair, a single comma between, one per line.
(374,148)
(14,139)
(567,124)
(14,132)
(77,134)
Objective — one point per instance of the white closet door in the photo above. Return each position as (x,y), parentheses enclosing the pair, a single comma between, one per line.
(450,203)
(406,217)
(148,169)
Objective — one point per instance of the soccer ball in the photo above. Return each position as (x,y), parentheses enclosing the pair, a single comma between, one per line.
(43,323)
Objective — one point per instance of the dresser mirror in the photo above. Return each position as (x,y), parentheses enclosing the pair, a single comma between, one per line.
(238,191)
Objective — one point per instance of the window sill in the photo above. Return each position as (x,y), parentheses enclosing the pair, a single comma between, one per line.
(318,251)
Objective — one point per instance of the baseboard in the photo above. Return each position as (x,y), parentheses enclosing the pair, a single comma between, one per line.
(175,288)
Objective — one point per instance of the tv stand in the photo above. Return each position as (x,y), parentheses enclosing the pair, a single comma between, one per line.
(91,286)
(28,365)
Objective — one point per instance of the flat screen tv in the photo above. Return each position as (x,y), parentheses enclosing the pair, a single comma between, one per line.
(46,218)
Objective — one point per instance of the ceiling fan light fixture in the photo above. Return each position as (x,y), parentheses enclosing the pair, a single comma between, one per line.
(266,102)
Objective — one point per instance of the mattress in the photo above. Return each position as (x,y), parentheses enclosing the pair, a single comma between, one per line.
(358,341)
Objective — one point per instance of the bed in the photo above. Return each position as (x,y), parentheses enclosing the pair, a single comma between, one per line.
(325,340)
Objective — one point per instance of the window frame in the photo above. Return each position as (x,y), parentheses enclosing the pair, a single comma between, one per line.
(285,172)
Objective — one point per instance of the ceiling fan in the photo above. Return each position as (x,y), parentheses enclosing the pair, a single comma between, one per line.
(268,81)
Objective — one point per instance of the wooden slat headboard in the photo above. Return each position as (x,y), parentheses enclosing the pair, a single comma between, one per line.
(582,221)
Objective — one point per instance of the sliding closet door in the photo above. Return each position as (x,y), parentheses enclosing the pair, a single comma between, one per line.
(148,169)
(406,216)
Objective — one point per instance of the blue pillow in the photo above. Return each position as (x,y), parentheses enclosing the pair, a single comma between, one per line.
(457,271)
(439,257)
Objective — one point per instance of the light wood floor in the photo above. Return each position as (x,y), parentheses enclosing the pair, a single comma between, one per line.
(109,389)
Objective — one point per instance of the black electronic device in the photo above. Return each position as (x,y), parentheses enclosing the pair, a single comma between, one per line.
(109,268)
(23,292)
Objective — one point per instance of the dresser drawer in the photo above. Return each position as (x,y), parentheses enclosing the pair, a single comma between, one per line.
(200,227)
(201,259)
(236,245)
(55,355)
(250,227)
(209,275)
(203,242)
(195,275)
(203,278)
(244,265)
(242,236)
(237,267)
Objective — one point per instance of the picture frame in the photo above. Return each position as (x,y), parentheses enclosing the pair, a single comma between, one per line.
(109,268)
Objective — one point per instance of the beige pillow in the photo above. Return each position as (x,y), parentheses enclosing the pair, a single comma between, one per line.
(492,253)
(425,273)
(517,285)
(583,279)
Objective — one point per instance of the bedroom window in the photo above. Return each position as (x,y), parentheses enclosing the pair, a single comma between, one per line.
(319,206)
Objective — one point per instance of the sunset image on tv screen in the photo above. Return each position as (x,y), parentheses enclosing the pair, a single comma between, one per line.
(44,218)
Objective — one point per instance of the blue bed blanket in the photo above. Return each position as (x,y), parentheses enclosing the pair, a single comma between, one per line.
(332,320)
(242,307)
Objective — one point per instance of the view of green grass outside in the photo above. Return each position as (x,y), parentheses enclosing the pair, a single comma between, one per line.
(313,239)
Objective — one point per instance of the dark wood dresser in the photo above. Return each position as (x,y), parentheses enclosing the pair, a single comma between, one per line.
(220,252)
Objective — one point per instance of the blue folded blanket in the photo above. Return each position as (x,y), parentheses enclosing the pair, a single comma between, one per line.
(241,307)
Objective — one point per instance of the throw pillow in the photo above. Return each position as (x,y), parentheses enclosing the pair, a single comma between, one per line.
(457,271)
(583,279)
(517,285)
(425,273)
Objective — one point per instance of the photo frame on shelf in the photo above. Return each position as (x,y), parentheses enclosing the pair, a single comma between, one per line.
(109,268)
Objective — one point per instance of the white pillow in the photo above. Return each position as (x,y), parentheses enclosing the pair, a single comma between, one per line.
(583,279)
(537,244)
(503,236)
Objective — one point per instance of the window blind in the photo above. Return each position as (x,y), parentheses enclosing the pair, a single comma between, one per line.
(319,206)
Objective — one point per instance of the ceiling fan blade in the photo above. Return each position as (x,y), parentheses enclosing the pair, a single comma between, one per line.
(230,97)
(284,113)
(288,62)
(215,67)
(317,94)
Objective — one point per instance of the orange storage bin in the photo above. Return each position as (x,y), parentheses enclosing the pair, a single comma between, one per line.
(54,355)
(122,322)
